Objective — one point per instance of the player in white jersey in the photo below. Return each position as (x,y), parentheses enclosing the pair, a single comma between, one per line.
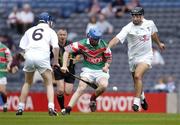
(139,33)
(36,43)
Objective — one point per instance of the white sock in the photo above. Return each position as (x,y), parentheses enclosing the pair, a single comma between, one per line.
(142,95)
(136,101)
(5,105)
(51,105)
(21,106)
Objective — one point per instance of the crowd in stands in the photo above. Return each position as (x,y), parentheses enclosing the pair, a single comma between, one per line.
(101,23)
(21,19)
(165,84)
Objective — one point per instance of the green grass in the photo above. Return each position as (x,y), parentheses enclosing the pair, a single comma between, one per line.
(39,118)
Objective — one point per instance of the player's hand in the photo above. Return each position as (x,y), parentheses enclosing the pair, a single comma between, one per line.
(161,46)
(64,69)
(14,69)
(105,69)
(56,67)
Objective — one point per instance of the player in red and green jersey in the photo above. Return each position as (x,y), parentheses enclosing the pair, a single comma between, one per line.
(97,59)
(5,66)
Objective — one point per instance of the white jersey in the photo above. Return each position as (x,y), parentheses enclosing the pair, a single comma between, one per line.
(37,40)
(138,37)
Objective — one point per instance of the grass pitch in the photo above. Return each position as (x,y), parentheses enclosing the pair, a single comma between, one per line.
(42,118)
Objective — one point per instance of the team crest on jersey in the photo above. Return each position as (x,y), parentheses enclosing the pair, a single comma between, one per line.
(145,38)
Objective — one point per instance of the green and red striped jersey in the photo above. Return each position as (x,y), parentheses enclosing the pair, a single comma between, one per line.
(95,57)
(4,53)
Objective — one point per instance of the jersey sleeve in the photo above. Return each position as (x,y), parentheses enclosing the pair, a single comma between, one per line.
(154,28)
(122,34)
(72,48)
(54,39)
(108,55)
(24,42)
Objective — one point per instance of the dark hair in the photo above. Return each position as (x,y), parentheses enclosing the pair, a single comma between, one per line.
(64,28)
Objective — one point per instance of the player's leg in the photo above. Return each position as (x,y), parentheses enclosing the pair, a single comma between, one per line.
(80,90)
(59,77)
(47,77)
(69,83)
(24,92)
(68,90)
(141,68)
(3,94)
(102,80)
(60,93)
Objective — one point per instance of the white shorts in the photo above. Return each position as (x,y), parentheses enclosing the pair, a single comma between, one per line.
(141,59)
(34,63)
(3,81)
(93,75)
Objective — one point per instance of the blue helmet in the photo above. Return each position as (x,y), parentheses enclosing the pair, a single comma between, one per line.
(94,33)
(45,17)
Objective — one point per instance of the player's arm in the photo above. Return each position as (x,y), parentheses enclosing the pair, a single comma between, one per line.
(108,59)
(65,61)
(56,55)
(156,39)
(9,58)
(113,42)
(76,59)
(71,48)
(120,37)
(55,48)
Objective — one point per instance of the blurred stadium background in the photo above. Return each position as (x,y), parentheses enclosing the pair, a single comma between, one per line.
(73,14)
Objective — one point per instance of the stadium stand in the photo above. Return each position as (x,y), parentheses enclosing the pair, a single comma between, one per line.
(165,14)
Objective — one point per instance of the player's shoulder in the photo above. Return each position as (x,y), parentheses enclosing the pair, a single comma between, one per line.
(83,41)
(148,21)
(128,26)
(30,29)
(103,42)
(3,45)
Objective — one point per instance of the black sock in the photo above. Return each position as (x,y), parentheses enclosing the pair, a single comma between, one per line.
(4,97)
(60,99)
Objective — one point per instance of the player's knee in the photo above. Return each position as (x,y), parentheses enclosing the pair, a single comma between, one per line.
(60,92)
(103,85)
(137,77)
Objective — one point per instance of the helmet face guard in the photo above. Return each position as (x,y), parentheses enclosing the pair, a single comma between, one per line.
(93,42)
